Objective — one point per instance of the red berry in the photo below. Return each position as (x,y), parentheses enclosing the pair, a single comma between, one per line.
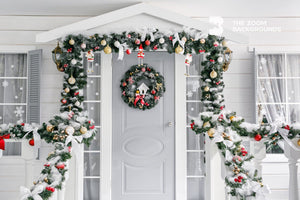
(128,51)
(239,180)
(287,127)
(153,91)
(124,84)
(240,177)
(31,142)
(76,93)
(22,124)
(243,154)
(47,165)
(155,47)
(211,60)
(147,42)
(235,180)
(64,101)
(92,127)
(60,166)
(171,38)
(258,137)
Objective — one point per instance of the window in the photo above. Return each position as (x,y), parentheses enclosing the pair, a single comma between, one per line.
(278,82)
(92,104)
(13,94)
(195,143)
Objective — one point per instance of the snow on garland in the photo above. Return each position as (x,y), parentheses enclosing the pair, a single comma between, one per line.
(142,87)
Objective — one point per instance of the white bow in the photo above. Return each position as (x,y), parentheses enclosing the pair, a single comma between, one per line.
(26,193)
(177,39)
(260,191)
(148,31)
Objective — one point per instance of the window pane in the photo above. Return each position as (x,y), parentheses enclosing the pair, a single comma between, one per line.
(12,114)
(193,88)
(15,65)
(271,65)
(193,110)
(271,90)
(91,164)
(294,113)
(194,141)
(93,112)
(2,65)
(12,148)
(92,91)
(194,68)
(195,164)
(91,189)
(13,90)
(196,188)
(293,90)
(293,65)
(95,144)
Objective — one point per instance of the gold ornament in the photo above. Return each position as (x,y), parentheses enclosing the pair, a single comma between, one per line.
(67,90)
(232,118)
(46,180)
(211,132)
(178,49)
(298,142)
(140,106)
(34,183)
(207,96)
(71,42)
(213,74)
(107,49)
(224,43)
(103,42)
(137,92)
(183,39)
(62,137)
(131,99)
(83,130)
(206,124)
(206,89)
(50,128)
(72,80)
(202,41)
(156,74)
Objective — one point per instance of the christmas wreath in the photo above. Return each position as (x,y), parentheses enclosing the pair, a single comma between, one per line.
(142,87)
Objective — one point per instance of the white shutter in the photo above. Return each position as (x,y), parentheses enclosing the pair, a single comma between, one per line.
(33,101)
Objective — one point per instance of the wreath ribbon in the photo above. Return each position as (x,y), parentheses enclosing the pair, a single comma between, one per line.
(139,97)
(2,142)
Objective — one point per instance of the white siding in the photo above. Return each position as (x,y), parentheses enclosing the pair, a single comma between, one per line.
(239,80)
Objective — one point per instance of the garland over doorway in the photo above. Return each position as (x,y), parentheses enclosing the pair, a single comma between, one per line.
(72,126)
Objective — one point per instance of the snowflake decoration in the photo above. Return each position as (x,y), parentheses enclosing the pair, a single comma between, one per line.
(189,94)
(19,111)
(4,84)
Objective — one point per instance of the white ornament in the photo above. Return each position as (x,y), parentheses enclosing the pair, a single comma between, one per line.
(117,44)
(73,61)
(92,108)
(92,82)
(16,97)
(83,45)
(161,40)
(12,66)
(77,103)
(0,117)
(220,59)
(97,93)
(19,111)
(4,83)
(70,130)
(21,88)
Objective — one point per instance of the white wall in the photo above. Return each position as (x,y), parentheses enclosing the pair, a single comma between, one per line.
(239,80)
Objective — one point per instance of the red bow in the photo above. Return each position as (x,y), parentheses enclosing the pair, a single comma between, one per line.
(2,142)
(139,97)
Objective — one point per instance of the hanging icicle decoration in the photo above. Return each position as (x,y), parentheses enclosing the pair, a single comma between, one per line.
(90,58)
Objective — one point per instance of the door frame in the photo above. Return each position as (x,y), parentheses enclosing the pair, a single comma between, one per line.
(180,127)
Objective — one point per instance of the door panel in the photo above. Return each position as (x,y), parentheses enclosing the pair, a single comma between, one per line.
(143,160)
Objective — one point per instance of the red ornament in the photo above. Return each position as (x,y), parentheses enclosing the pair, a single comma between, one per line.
(211,60)
(287,127)
(201,51)
(60,166)
(222,107)
(31,142)
(51,189)
(143,69)
(146,104)
(90,122)
(66,65)
(76,93)
(153,91)
(64,101)
(171,38)
(47,165)
(97,47)
(22,124)
(155,47)
(128,51)
(148,69)
(124,84)
(92,127)
(147,42)
(217,83)
(258,137)
(129,36)
(137,41)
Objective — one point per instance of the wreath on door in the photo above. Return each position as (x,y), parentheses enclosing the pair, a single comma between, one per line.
(142,87)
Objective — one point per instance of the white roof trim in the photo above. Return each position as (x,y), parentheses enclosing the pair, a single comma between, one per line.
(141,8)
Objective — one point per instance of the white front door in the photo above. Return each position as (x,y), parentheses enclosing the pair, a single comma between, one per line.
(143,151)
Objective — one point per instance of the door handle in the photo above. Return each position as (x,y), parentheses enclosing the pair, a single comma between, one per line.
(170,124)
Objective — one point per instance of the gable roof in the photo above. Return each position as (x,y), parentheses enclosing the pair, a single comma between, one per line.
(141,8)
